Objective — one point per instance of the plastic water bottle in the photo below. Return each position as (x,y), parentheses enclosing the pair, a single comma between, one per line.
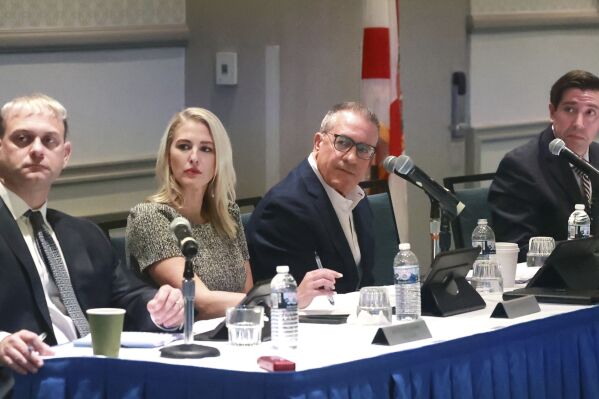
(284,319)
(579,223)
(406,272)
(484,237)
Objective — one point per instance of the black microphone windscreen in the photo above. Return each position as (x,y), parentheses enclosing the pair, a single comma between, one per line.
(556,146)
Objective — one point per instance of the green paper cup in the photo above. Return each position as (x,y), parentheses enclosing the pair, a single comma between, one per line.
(106,325)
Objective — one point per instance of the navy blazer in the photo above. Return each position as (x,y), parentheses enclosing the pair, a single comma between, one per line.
(98,278)
(534,193)
(295,219)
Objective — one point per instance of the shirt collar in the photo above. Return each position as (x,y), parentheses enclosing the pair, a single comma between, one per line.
(16,205)
(348,203)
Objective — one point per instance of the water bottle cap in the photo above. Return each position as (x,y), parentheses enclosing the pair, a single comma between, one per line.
(404,246)
(579,207)
(282,269)
(482,221)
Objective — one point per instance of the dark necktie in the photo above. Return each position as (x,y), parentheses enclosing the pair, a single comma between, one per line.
(51,256)
(585,184)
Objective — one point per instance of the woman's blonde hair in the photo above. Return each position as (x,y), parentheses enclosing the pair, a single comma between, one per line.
(221,189)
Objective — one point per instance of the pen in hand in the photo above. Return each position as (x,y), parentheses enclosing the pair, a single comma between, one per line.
(319,264)
(42,337)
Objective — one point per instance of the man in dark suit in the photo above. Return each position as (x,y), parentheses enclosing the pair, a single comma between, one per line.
(534,191)
(33,152)
(320,209)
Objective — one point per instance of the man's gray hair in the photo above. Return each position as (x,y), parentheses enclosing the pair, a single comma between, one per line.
(327,123)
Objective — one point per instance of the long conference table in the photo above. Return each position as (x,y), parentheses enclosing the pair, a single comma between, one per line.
(551,354)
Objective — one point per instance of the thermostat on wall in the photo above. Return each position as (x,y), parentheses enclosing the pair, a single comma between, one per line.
(226,68)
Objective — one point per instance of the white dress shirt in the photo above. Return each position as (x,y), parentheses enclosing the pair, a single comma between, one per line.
(63,326)
(343,208)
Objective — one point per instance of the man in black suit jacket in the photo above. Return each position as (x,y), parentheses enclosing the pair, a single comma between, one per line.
(534,191)
(319,208)
(33,152)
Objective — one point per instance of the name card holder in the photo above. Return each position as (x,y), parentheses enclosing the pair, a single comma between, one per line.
(516,307)
(402,333)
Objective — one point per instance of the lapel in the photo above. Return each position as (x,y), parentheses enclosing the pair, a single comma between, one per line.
(559,170)
(327,215)
(73,250)
(10,232)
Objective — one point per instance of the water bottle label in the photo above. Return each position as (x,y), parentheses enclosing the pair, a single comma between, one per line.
(579,231)
(283,300)
(407,274)
(487,247)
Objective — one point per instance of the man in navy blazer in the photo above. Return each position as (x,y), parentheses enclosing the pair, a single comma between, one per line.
(33,152)
(534,191)
(320,209)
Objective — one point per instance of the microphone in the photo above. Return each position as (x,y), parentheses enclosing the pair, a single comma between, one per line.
(558,148)
(182,230)
(404,167)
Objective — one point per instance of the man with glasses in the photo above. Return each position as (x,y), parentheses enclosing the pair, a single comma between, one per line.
(534,192)
(318,209)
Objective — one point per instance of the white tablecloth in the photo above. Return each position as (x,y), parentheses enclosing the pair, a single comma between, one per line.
(323,345)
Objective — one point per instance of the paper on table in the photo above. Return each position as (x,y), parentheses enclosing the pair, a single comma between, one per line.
(134,339)
(525,272)
(344,304)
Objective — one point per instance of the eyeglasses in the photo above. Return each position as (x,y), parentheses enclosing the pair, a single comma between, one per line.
(344,144)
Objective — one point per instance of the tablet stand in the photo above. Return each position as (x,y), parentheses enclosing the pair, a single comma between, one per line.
(259,295)
(454,296)
(445,291)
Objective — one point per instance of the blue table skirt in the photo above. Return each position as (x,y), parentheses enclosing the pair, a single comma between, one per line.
(556,357)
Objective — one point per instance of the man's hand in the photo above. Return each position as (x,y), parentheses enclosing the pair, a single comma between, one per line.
(315,283)
(22,352)
(166,308)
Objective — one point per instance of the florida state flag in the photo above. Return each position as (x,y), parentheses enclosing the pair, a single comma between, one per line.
(381,92)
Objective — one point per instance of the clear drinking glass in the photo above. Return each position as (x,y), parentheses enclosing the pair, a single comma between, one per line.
(245,325)
(374,306)
(539,249)
(486,277)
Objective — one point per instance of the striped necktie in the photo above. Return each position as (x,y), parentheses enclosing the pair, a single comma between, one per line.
(587,189)
(51,256)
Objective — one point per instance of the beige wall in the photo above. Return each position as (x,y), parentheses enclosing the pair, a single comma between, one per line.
(319,65)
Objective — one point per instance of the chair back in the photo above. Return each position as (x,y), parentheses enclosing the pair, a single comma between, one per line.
(119,244)
(386,238)
(245,219)
(474,195)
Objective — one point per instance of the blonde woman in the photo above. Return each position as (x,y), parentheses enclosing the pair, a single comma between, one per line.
(197,181)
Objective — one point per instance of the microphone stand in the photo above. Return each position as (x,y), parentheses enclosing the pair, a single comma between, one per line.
(188,350)
(445,234)
(435,226)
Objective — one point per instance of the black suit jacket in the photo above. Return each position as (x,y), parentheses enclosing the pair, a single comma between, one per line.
(98,278)
(295,219)
(534,193)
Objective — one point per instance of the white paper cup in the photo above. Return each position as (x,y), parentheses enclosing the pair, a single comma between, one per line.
(507,259)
